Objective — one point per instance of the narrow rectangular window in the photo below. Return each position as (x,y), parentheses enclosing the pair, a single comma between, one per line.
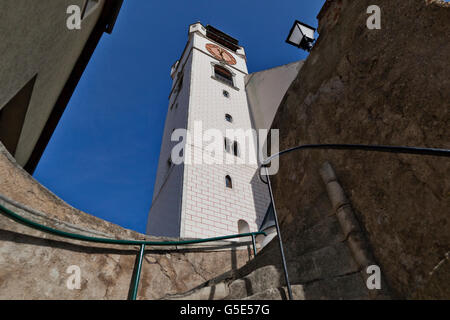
(227,145)
(236,149)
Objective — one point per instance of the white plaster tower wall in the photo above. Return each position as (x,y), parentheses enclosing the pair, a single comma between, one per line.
(208,207)
(165,214)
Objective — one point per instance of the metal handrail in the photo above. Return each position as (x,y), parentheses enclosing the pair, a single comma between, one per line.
(354,147)
(141,243)
(365,147)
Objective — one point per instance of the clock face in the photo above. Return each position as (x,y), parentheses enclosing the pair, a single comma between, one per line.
(220,54)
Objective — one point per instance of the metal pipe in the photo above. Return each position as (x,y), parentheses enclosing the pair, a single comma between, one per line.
(142,243)
(280,241)
(364,147)
(437,152)
(138,273)
(75,236)
(254,245)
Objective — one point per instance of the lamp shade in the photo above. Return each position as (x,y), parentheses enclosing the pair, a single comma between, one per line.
(301,36)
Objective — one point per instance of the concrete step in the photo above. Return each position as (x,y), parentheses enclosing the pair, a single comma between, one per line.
(320,266)
(349,287)
(214,292)
(327,273)
(322,234)
(307,217)
(259,280)
(278,294)
(328,262)
(269,294)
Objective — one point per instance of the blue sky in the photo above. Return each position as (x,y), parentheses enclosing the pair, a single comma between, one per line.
(103,156)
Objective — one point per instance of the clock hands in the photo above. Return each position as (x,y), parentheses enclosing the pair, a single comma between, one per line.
(225,58)
(221,54)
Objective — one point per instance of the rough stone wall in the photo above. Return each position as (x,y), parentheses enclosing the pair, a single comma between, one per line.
(384,87)
(33,264)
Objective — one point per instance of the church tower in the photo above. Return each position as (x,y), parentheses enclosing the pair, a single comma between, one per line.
(202,197)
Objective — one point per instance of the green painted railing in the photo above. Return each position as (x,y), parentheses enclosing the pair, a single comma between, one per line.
(141,243)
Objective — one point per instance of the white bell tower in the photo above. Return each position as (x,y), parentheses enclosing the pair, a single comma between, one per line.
(197,199)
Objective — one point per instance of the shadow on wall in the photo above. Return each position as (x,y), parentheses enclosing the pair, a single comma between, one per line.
(261,198)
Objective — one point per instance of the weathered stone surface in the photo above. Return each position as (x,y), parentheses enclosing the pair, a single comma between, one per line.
(257,281)
(315,228)
(279,294)
(434,288)
(33,264)
(328,262)
(268,294)
(306,219)
(238,289)
(215,292)
(34,267)
(347,287)
(325,233)
(384,87)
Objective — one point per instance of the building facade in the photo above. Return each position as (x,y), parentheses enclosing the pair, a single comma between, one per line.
(41,62)
(198,200)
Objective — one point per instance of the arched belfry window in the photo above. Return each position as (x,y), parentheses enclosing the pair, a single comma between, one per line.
(243,227)
(228,182)
(223,74)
